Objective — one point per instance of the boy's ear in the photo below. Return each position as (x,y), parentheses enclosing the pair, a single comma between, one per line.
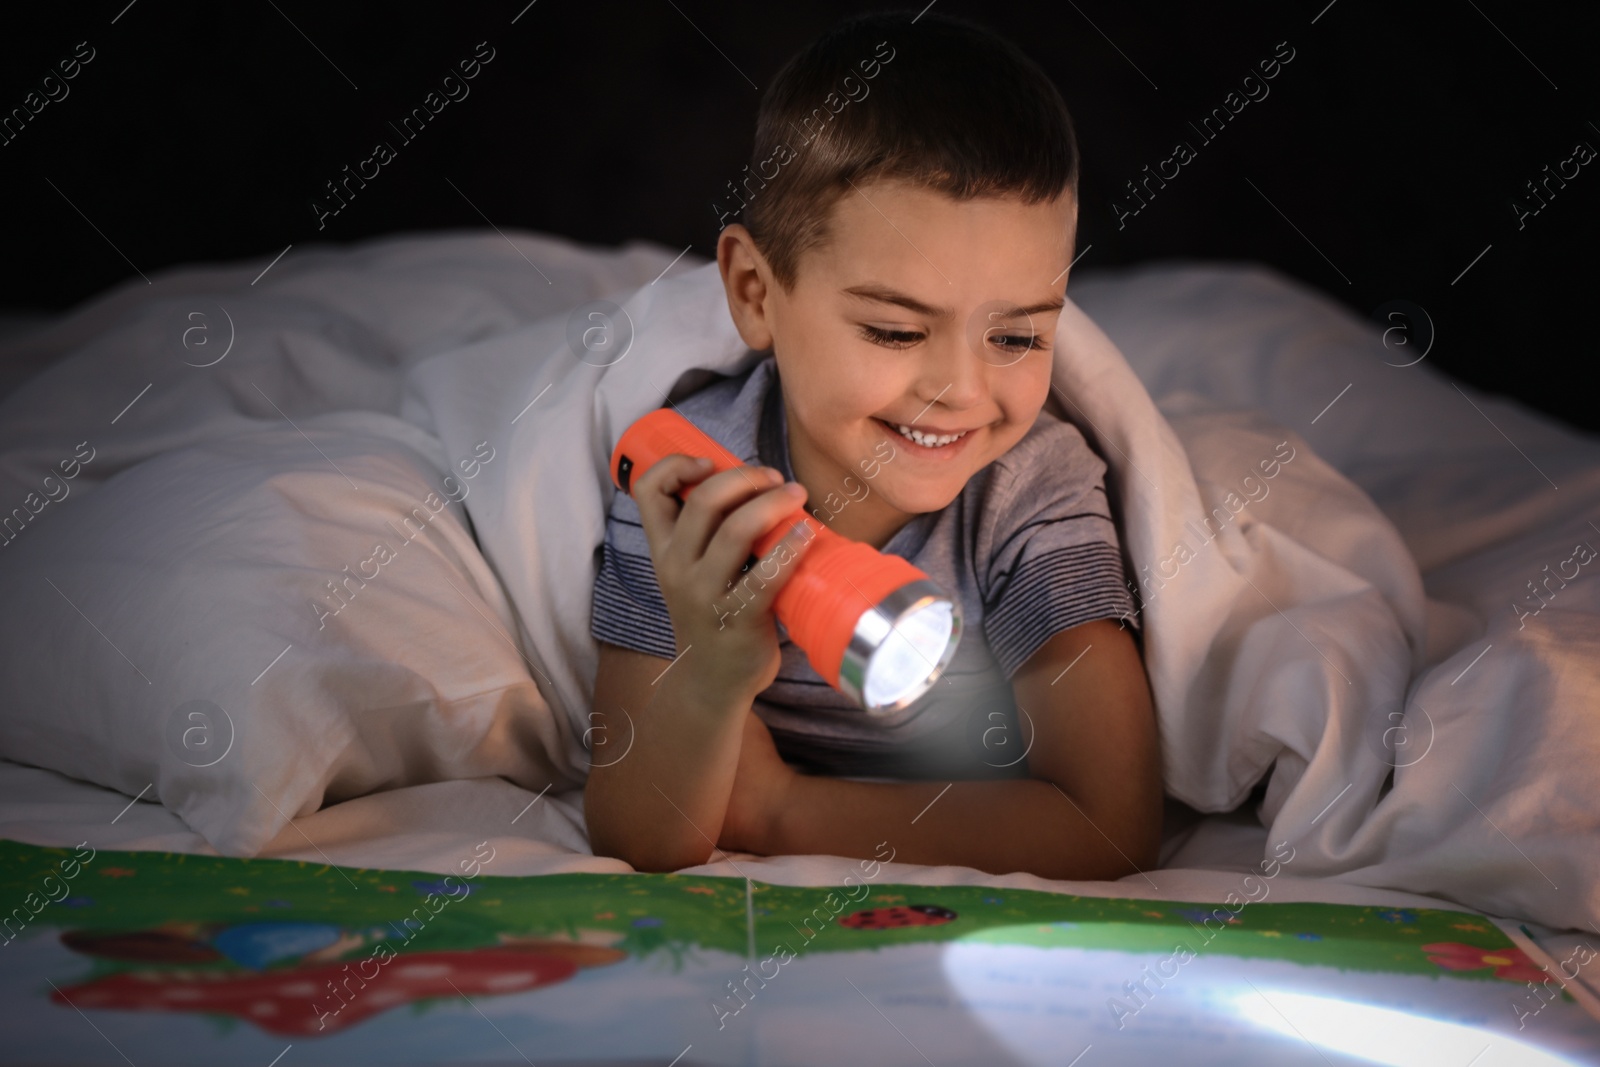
(747,280)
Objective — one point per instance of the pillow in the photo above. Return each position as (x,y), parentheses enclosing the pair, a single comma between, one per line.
(565,388)
(248,628)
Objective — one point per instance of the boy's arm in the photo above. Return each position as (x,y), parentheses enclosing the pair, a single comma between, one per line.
(1092,809)
(663,804)
(664,754)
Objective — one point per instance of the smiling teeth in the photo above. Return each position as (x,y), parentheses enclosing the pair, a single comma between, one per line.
(928,440)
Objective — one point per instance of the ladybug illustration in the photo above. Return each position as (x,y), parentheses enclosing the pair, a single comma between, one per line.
(901,915)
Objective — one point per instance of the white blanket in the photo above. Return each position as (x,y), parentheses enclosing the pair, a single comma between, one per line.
(1493,801)
(429,827)
(1297,641)
(1288,645)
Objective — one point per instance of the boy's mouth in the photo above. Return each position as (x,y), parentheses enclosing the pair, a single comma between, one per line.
(939,446)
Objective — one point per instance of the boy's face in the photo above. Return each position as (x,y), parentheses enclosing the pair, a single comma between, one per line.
(909,313)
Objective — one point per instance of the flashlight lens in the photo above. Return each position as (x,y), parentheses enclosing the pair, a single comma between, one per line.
(908,655)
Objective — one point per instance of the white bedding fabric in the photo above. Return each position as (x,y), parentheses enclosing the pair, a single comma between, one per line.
(423,828)
(1494,802)
(167,626)
(1290,646)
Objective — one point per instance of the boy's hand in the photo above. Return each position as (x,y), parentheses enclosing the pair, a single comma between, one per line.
(699,548)
(760,790)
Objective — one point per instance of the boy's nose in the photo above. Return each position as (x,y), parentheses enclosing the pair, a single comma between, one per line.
(953,375)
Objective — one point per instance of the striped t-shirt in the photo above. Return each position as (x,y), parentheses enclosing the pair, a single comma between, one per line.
(1028,548)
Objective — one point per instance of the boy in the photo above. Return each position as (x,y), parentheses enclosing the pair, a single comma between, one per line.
(904,263)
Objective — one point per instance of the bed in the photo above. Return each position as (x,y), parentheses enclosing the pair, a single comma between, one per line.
(1376,680)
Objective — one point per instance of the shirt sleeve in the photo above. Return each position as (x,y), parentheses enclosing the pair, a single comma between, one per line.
(628,607)
(1054,558)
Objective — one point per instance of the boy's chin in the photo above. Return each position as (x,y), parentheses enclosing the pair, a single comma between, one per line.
(922,499)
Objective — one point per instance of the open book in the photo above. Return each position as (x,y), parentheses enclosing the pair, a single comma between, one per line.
(145,957)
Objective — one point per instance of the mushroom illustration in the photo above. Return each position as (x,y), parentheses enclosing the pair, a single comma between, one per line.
(581,954)
(282,1002)
(588,947)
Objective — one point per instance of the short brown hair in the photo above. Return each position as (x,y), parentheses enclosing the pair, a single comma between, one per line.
(948,105)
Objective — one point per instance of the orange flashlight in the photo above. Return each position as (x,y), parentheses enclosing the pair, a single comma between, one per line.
(874,625)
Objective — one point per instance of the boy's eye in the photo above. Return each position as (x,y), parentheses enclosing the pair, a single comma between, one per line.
(904,338)
(890,338)
(1019,343)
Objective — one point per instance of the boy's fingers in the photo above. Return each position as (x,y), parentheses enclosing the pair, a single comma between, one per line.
(711,505)
(680,533)
(778,566)
(757,587)
(655,492)
(732,540)
(668,476)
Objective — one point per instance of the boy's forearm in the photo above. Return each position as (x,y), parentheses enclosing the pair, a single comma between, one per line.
(995,826)
(660,807)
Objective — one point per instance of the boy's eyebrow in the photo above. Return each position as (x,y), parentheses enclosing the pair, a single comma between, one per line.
(885,295)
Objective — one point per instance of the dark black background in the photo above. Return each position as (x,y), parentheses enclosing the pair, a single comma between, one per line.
(1396,141)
